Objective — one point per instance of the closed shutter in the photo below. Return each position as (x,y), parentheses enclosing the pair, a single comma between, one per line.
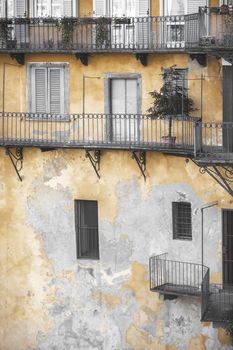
(193,5)
(100,8)
(20,8)
(143,10)
(67,8)
(2,12)
(56,98)
(39,82)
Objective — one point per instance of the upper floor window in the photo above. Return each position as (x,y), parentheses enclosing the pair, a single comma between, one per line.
(182,220)
(53,8)
(121,8)
(48,88)
(181,7)
(38,8)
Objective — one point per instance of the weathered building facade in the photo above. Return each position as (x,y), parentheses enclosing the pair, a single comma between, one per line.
(92,186)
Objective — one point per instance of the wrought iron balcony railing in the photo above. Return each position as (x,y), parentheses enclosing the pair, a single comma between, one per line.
(209,29)
(117,131)
(175,277)
(99,34)
(214,142)
(178,278)
(216,28)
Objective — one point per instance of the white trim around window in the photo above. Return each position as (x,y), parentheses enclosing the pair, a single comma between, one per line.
(45,69)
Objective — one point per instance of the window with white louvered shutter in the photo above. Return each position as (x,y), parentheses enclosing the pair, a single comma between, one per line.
(193,5)
(20,8)
(39,90)
(55,96)
(143,10)
(48,89)
(100,8)
(54,8)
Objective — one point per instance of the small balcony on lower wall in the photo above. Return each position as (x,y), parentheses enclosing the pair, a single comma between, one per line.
(173,135)
(176,278)
(214,143)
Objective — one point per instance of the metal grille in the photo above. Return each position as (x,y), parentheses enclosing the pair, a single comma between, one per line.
(87,236)
(182,220)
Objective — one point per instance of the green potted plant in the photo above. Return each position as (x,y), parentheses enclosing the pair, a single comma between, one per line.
(67,26)
(102,38)
(171,101)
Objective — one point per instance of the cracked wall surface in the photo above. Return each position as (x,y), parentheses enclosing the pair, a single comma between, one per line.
(51,300)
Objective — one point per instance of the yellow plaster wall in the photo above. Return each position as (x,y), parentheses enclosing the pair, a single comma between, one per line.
(208,80)
(26,294)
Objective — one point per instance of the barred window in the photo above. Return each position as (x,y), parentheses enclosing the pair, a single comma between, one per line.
(86,223)
(182,220)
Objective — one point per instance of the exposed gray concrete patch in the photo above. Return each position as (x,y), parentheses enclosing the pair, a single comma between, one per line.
(51,214)
(82,319)
(53,168)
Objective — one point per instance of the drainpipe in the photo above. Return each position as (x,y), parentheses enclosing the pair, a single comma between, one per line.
(210,205)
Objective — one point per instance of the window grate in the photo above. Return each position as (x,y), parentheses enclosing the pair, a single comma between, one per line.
(87,235)
(182,220)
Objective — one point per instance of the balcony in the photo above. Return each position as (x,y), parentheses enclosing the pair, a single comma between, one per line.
(208,30)
(87,35)
(214,143)
(176,278)
(101,131)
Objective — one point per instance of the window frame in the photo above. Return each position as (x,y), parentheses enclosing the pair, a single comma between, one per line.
(77,211)
(175,221)
(30,93)
(33,10)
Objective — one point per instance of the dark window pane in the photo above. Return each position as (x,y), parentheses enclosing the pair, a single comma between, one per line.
(182,220)
(86,221)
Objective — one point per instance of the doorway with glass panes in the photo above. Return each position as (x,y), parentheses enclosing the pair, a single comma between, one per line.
(123,105)
(174,31)
(130,21)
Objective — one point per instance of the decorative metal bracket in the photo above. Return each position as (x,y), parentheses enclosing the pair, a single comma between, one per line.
(83,57)
(140,158)
(16,159)
(95,160)
(201,58)
(223,174)
(19,57)
(143,58)
(227,56)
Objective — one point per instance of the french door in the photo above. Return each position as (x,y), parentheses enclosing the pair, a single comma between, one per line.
(227,246)
(126,30)
(124,126)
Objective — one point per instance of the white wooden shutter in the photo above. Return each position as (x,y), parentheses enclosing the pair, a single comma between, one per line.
(193,5)
(20,8)
(143,8)
(56,95)
(2,8)
(143,30)
(100,8)
(67,8)
(39,90)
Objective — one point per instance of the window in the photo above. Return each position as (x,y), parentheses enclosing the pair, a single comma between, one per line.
(182,220)
(86,222)
(48,88)
(53,8)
